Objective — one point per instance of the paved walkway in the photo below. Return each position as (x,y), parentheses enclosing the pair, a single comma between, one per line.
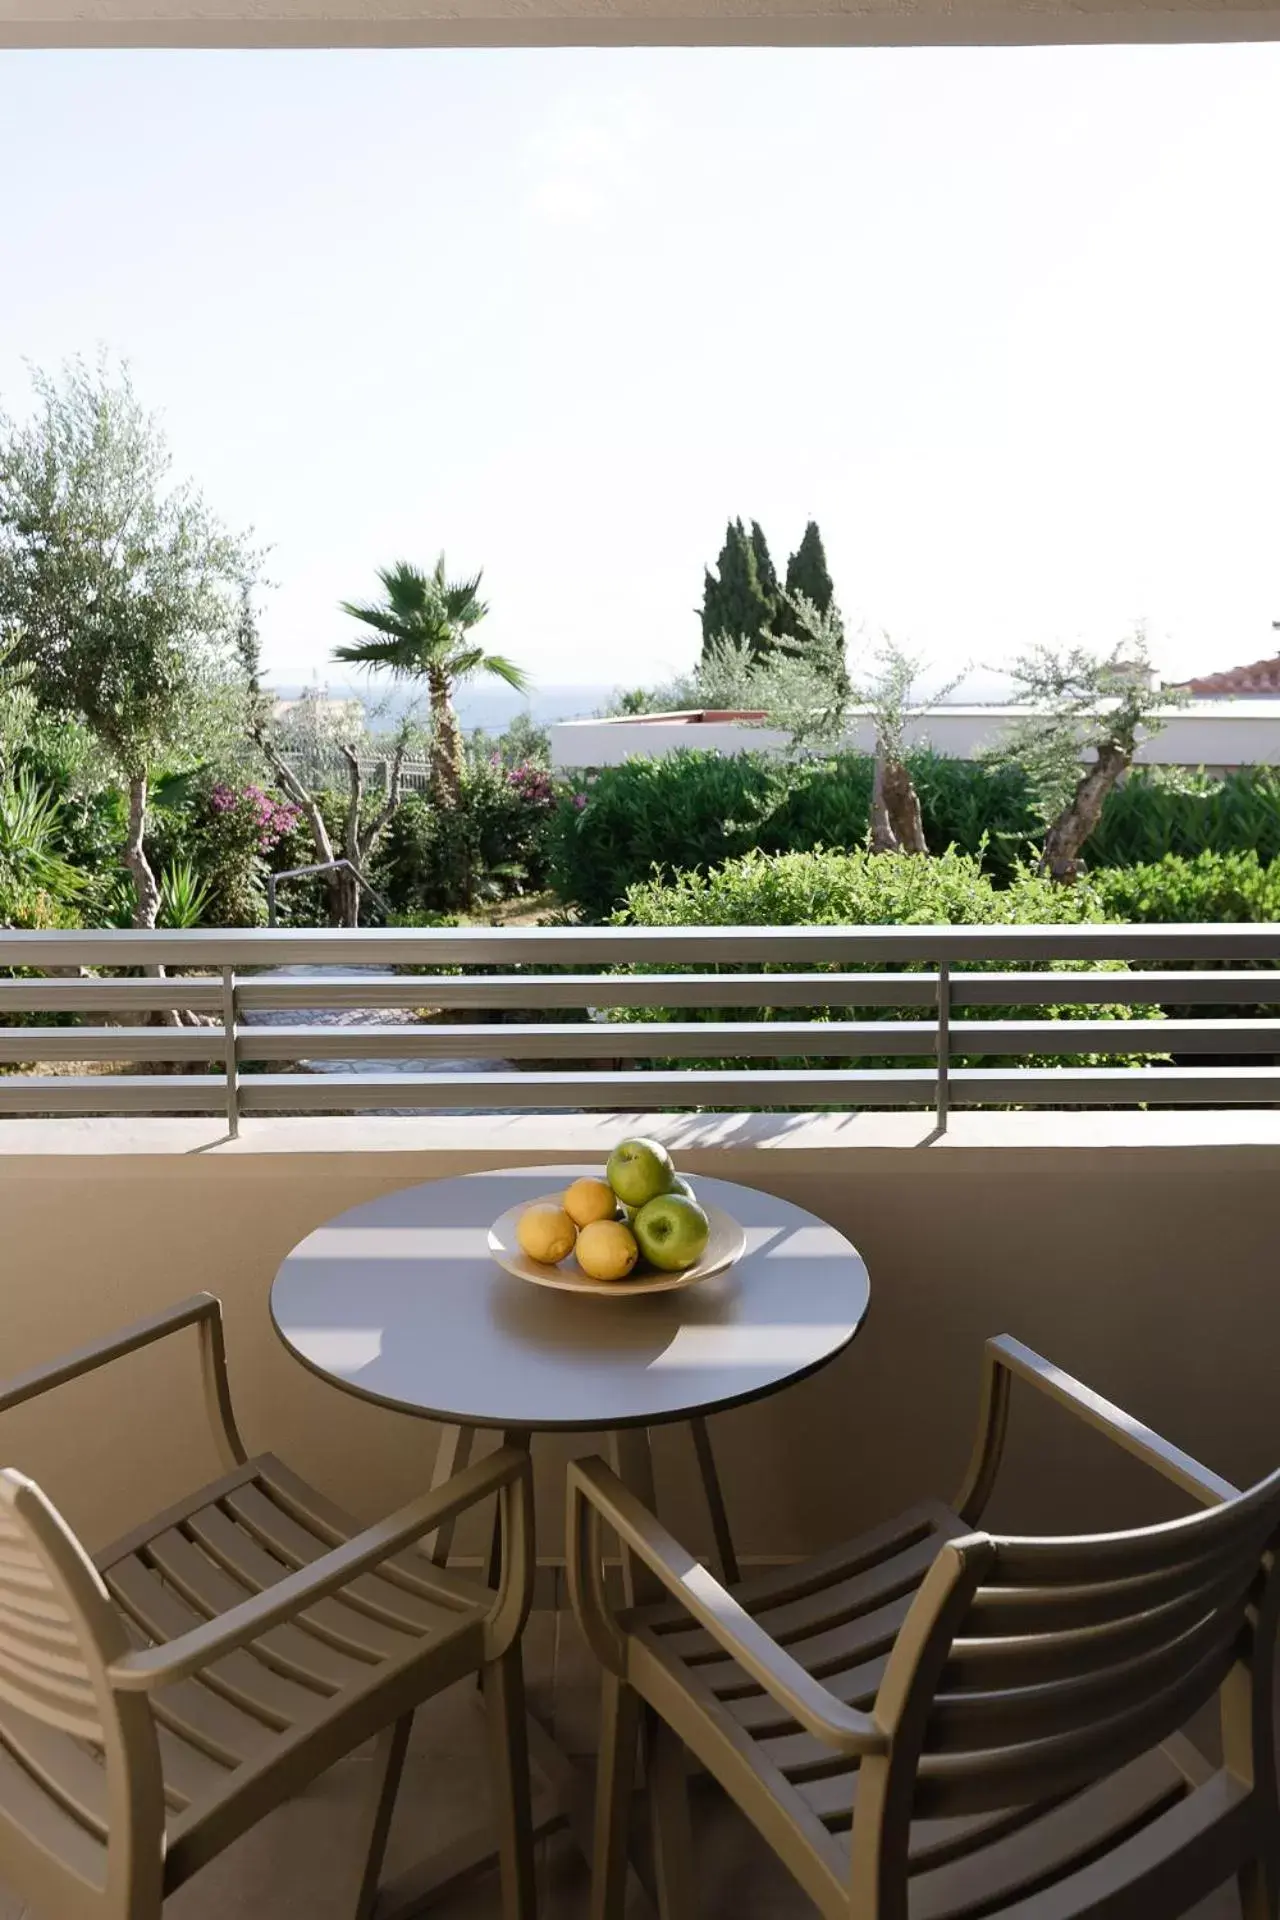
(366,1017)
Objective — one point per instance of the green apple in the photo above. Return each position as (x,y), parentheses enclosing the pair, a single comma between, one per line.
(639,1170)
(681,1186)
(672,1232)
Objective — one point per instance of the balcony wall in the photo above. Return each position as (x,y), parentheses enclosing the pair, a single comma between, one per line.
(1139,1251)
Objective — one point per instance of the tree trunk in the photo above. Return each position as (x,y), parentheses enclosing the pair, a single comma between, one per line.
(1068,833)
(902,805)
(446,744)
(309,807)
(883,838)
(146,887)
(347,884)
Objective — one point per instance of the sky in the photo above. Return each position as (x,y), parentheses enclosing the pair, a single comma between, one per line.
(1005,322)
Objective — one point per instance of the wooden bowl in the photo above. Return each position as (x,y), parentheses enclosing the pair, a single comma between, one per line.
(726,1243)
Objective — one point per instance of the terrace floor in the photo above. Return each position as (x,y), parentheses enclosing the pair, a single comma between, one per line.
(297,1864)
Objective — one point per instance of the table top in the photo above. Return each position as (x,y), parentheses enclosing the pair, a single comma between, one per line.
(400,1301)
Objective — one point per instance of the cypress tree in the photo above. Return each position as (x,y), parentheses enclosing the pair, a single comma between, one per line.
(735,600)
(766,572)
(807,571)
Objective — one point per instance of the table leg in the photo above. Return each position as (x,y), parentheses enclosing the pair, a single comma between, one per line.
(452,1455)
(715,1502)
(631,1457)
(567,1797)
(511,1437)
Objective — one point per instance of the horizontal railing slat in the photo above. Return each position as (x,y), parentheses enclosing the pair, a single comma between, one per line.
(569,946)
(523,992)
(850,1087)
(112,1093)
(110,1043)
(109,996)
(644,1092)
(743,1039)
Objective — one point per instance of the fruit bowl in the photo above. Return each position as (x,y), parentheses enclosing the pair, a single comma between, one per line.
(726,1243)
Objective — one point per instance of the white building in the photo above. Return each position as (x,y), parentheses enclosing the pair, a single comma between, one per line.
(1214,732)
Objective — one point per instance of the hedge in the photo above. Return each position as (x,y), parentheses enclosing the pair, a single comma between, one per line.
(694,810)
(861,889)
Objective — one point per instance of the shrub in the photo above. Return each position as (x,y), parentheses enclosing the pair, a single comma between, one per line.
(491,846)
(1169,810)
(861,889)
(692,811)
(1210,887)
(224,834)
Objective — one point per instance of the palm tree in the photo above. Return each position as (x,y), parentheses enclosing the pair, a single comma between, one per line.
(420,632)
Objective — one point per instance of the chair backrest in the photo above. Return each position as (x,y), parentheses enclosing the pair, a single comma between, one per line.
(1030,1668)
(69,1854)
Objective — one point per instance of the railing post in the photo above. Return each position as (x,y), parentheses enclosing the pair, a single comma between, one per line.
(943,1101)
(232,1065)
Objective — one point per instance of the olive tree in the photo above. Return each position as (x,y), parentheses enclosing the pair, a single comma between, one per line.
(896,825)
(1089,715)
(120,593)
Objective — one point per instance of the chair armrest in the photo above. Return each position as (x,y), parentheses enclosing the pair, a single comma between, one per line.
(1007,1358)
(202,1310)
(503,1472)
(596,1494)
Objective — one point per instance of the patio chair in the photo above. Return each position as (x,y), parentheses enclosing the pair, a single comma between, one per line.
(933,1722)
(160,1700)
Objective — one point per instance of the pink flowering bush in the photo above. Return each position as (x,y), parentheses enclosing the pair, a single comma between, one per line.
(270,819)
(534,785)
(226,835)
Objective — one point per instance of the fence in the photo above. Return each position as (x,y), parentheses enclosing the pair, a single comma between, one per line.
(221,979)
(326,766)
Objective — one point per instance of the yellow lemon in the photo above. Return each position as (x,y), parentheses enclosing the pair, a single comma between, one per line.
(588,1200)
(607,1250)
(546,1234)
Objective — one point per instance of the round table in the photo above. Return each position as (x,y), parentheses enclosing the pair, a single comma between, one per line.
(401,1302)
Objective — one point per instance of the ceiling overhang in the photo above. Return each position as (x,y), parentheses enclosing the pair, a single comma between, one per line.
(550,23)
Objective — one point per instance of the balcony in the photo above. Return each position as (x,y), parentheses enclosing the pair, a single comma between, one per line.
(1121,1218)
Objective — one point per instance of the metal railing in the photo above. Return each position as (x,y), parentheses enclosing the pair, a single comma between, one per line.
(937,977)
(307,873)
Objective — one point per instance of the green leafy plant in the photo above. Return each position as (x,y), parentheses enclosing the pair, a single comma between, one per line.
(35,879)
(490,846)
(691,811)
(184,896)
(1209,888)
(863,889)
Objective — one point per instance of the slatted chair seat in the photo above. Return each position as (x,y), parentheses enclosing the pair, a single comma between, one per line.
(839,1615)
(142,1729)
(928,1723)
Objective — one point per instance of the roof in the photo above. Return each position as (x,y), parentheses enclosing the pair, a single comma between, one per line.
(1260,677)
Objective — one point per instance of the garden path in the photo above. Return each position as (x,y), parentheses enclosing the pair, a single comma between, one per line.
(363,1017)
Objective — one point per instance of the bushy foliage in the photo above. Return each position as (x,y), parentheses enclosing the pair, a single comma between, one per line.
(38,887)
(489,846)
(833,888)
(1162,810)
(1211,887)
(691,811)
(862,889)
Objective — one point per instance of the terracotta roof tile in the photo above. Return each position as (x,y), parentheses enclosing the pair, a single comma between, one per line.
(1260,677)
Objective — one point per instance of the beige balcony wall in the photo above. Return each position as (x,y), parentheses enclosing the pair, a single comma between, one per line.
(1142,1252)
